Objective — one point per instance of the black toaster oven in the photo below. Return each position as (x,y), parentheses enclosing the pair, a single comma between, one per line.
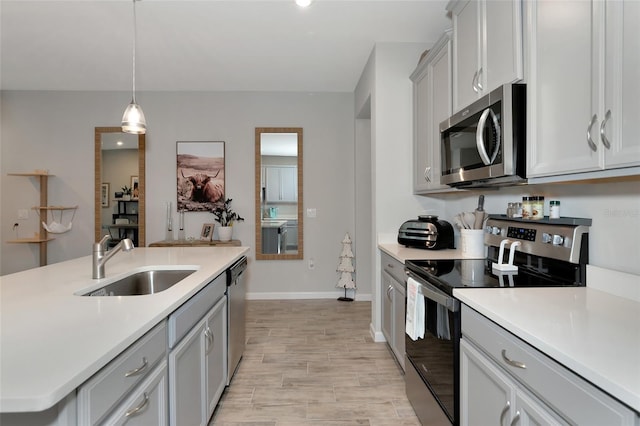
(427,232)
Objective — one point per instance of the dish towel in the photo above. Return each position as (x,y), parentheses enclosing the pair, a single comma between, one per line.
(415,311)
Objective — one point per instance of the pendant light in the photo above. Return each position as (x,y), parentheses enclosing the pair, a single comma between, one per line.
(133,120)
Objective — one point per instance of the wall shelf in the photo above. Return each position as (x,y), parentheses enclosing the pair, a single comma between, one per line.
(42,236)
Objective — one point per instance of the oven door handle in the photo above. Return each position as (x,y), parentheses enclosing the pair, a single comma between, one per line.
(432,293)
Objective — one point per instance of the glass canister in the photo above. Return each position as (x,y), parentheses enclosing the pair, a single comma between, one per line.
(554,209)
(537,207)
(517,213)
(526,207)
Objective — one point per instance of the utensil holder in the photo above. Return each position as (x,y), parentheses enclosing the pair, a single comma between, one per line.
(472,243)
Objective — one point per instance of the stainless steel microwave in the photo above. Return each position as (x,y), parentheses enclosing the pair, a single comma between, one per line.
(484,144)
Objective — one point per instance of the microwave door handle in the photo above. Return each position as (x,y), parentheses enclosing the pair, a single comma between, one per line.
(480,141)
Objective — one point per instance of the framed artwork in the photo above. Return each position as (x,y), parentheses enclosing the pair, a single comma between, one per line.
(207,232)
(104,195)
(135,187)
(200,176)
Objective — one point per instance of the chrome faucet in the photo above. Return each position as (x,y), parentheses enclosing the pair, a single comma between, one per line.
(101,255)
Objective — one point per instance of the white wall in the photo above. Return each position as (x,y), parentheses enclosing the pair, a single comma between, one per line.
(54,130)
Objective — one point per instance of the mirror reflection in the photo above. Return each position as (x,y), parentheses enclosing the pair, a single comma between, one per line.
(279,193)
(119,185)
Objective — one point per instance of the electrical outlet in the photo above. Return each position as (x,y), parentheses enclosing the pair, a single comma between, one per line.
(311,212)
(23,214)
(312,264)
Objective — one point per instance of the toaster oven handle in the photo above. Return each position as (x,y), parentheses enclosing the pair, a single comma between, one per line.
(482,150)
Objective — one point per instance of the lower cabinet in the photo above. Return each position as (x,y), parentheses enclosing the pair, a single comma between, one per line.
(505,381)
(393,305)
(197,369)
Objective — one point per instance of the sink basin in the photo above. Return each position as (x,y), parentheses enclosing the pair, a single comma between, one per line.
(141,283)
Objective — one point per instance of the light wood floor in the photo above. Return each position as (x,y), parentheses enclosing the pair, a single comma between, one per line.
(313,362)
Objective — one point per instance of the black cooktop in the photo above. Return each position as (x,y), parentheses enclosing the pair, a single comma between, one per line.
(458,273)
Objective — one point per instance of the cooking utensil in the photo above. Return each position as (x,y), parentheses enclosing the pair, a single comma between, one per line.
(479,213)
(469,219)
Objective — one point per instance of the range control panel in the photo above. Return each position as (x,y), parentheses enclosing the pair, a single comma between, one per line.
(554,238)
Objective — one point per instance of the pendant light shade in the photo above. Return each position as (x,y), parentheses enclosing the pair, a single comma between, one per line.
(133,120)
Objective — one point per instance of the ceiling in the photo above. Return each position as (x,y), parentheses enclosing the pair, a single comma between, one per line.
(204,45)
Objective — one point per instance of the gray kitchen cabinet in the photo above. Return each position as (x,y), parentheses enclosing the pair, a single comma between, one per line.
(503,380)
(431,105)
(292,235)
(281,183)
(487,47)
(121,379)
(583,94)
(393,306)
(198,355)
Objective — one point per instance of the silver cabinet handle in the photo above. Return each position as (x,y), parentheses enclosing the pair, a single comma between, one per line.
(504,412)
(427,174)
(603,125)
(512,363)
(516,419)
(137,410)
(389,290)
(138,370)
(209,335)
(478,84)
(473,82)
(592,145)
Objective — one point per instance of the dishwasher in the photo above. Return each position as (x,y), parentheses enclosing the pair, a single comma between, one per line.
(236,311)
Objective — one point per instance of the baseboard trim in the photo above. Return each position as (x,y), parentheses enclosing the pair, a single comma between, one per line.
(360,297)
(377,336)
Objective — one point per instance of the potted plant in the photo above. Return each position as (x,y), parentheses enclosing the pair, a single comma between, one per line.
(225,216)
(126,193)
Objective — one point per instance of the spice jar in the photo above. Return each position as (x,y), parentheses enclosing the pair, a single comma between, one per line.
(554,209)
(537,207)
(517,213)
(526,208)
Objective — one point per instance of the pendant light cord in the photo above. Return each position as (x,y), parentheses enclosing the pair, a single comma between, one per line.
(135,32)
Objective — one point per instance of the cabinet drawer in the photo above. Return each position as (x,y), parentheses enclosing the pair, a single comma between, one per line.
(188,315)
(393,267)
(105,389)
(568,394)
(148,404)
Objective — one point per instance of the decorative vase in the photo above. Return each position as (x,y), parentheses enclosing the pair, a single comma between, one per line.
(224,233)
(126,198)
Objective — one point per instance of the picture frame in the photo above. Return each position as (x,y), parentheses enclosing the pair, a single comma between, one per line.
(135,187)
(207,232)
(104,194)
(200,169)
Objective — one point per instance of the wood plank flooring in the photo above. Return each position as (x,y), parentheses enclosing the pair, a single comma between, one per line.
(313,362)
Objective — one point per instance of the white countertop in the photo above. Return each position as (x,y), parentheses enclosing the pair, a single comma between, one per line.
(402,253)
(52,341)
(593,333)
(273,223)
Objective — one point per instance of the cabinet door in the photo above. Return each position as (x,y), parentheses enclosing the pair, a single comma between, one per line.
(421,146)
(440,108)
(216,354)
(187,376)
(530,412)
(502,56)
(560,95)
(399,318)
(622,88)
(467,42)
(387,307)
(486,394)
(272,181)
(148,404)
(289,184)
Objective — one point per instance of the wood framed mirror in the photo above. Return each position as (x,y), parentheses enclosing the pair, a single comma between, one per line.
(119,162)
(278,193)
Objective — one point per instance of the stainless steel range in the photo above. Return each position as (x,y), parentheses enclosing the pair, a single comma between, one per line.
(543,253)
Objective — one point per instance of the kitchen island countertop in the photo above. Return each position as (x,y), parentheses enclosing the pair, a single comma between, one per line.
(53,340)
(593,333)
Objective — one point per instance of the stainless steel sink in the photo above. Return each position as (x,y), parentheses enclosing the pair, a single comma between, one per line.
(141,283)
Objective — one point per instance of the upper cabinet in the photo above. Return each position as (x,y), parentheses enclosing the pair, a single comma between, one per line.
(583,91)
(487,47)
(431,105)
(281,184)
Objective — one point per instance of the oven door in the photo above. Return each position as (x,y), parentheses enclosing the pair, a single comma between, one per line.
(435,357)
